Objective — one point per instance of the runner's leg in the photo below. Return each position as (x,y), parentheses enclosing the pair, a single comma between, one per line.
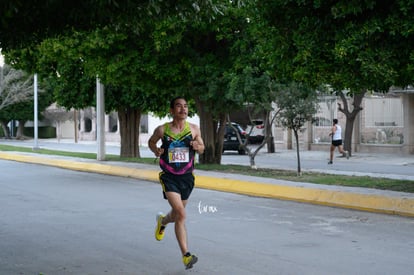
(177,215)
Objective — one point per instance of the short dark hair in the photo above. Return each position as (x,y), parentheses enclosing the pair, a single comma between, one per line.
(174,99)
(335,121)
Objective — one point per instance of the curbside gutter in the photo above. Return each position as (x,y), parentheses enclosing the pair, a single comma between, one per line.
(367,202)
(396,205)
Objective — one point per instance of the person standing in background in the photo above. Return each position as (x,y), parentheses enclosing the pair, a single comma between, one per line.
(336,135)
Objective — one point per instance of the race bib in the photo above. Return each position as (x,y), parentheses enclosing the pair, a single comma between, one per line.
(180,154)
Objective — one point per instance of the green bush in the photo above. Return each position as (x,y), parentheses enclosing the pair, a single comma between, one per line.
(43,132)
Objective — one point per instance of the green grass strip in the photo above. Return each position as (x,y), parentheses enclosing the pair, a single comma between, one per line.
(289,175)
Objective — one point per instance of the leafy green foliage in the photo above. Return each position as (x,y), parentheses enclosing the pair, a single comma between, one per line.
(25,23)
(359,46)
(356,45)
(61,65)
(297,103)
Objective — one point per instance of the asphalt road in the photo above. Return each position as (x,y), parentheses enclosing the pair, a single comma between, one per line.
(56,221)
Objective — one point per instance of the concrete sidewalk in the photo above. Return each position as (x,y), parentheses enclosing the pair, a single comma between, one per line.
(346,197)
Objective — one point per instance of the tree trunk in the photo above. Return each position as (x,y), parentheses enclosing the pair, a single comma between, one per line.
(350,117)
(6,130)
(269,134)
(289,139)
(211,133)
(349,129)
(297,151)
(271,144)
(129,121)
(20,128)
(252,162)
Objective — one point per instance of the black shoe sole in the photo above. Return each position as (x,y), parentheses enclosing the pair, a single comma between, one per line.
(192,262)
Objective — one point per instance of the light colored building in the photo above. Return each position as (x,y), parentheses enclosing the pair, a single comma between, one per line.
(384,125)
(87,126)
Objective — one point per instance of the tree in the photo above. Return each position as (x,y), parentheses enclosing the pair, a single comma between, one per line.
(208,59)
(24,24)
(126,54)
(244,144)
(16,99)
(138,77)
(297,105)
(359,46)
(255,87)
(252,74)
(5,117)
(207,51)
(58,115)
(16,86)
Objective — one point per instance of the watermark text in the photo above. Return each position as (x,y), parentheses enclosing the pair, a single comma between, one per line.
(204,208)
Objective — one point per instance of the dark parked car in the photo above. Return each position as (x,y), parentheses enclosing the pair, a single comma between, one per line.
(231,143)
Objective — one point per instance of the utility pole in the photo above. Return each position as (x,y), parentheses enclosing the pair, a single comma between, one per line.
(100,120)
(36,145)
(1,72)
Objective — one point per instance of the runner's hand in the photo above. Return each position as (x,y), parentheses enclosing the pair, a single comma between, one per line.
(159,152)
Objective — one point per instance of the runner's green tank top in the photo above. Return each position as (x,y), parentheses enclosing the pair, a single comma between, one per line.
(178,156)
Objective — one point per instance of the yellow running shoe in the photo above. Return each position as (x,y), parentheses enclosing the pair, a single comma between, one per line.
(159,229)
(189,260)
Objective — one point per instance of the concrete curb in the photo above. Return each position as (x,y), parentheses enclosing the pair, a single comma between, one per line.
(397,205)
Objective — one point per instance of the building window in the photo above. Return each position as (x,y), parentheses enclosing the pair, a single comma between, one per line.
(382,120)
(88,125)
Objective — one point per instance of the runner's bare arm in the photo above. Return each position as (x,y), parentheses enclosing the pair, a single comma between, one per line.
(197,143)
(333,130)
(152,142)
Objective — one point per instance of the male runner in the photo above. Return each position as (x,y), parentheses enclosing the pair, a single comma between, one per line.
(180,141)
(336,134)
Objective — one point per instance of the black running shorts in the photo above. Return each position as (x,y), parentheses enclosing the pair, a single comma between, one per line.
(181,184)
(337,142)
